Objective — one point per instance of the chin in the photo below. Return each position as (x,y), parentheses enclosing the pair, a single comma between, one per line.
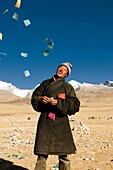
(59,75)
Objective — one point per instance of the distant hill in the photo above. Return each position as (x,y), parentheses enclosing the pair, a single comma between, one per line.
(108,83)
(7,96)
(94,88)
(8,92)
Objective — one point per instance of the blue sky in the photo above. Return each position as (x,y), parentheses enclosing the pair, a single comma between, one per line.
(82,32)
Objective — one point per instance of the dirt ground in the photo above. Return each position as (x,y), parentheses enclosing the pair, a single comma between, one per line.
(92,130)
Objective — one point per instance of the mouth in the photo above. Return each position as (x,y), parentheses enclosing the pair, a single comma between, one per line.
(59,73)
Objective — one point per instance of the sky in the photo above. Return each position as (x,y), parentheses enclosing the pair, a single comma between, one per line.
(82,33)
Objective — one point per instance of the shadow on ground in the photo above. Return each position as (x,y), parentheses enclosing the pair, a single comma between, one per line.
(8,165)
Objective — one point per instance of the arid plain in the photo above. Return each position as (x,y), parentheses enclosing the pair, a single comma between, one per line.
(92,130)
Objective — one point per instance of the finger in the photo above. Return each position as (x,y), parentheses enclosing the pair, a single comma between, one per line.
(44,101)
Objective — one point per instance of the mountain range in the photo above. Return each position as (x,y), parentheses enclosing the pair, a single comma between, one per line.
(26,93)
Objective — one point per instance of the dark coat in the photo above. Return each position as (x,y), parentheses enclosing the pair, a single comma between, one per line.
(55,137)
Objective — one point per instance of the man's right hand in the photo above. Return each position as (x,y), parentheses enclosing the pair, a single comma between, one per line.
(44,99)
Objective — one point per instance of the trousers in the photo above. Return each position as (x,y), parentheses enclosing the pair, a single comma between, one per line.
(64,162)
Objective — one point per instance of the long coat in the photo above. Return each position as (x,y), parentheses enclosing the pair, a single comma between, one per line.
(55,137)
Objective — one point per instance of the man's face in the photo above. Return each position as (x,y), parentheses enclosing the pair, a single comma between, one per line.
(62,71)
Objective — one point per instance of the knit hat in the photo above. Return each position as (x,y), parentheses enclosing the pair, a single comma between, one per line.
(68,65)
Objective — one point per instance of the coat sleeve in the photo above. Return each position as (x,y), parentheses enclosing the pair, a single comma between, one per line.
(36,104)
(70,105)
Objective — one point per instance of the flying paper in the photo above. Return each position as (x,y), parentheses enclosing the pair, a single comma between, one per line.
(18,3)
(45,40)
(50,44)
(15,16)
(1,36)
(24,54)
(46,52)
(27,22)
(26,73)
(5,11)
(2,53)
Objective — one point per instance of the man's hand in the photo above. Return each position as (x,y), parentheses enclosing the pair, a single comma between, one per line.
(44,99)
(53,101)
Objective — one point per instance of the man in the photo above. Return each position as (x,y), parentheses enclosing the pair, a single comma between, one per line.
(56,100)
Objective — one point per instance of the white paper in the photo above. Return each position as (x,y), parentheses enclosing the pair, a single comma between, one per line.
(27,22)
(26,73)
(24,54)
(5,11)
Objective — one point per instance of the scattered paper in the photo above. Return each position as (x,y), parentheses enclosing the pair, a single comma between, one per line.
(5,11)
(15,16)
(24,54)
(51,45)
(2,53)
(26,73)
(27,22)
(45,40)
(18,3)
(46,52)
(1,36)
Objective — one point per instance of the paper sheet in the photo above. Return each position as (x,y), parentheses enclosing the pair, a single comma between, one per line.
(26,73)
(46,52)
(24,54)
(5,11)
(1,36)
(27,22)
(15,16)
(18,4)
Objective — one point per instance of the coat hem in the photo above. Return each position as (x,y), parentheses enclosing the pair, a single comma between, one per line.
(55,153)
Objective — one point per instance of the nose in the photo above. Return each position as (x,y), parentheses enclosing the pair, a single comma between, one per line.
(60,69)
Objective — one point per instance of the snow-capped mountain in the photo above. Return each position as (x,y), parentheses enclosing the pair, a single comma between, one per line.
(108,83)
(76,85)
(90,87)
(14,90)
